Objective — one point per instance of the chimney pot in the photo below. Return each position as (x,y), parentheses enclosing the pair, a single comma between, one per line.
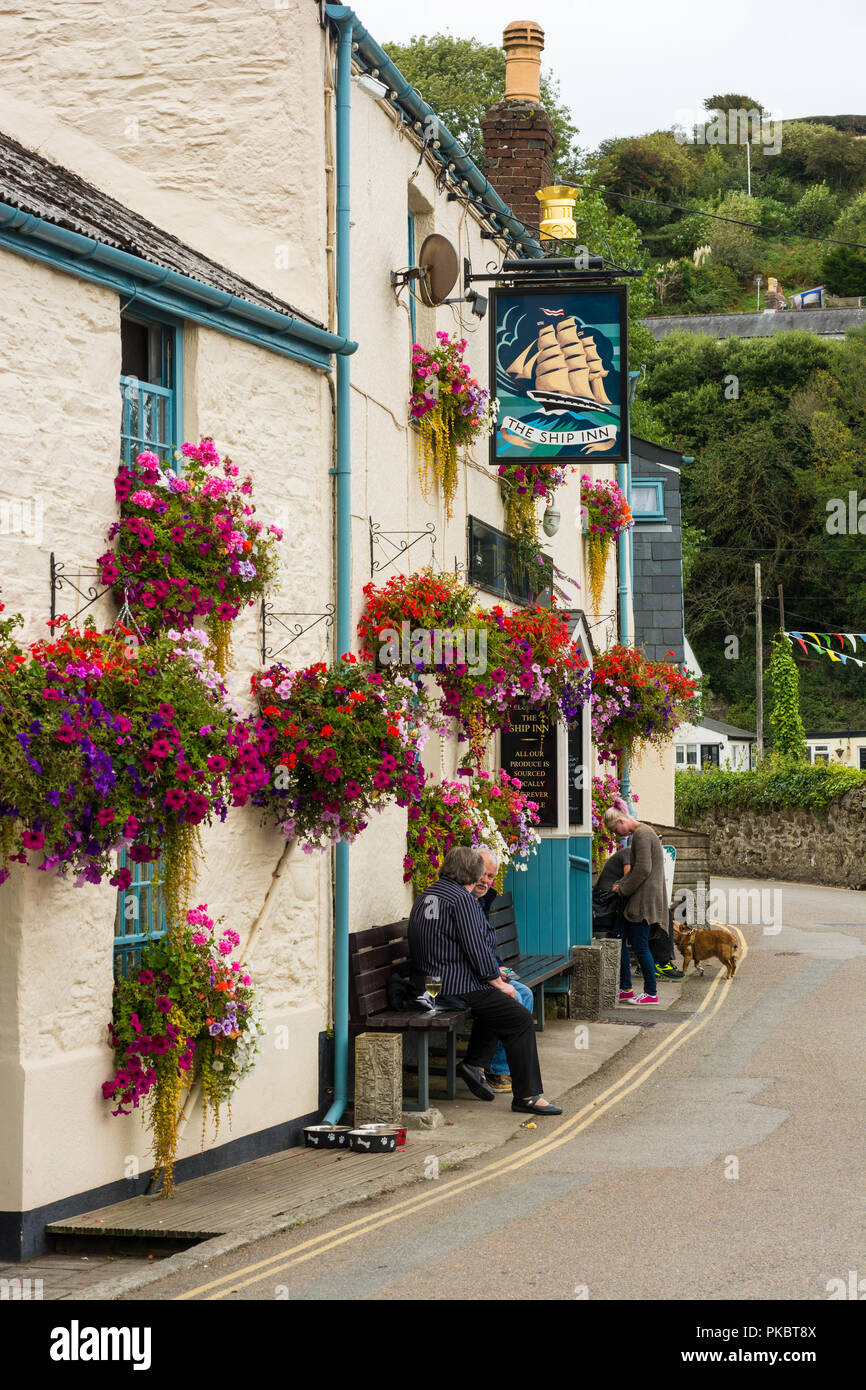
(523,41)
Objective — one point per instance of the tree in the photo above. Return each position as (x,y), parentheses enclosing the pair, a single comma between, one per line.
(734,245)
(648,164)
(817,210)
(462,78)
(844,271)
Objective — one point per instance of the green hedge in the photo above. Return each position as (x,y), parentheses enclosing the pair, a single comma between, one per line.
(793,787)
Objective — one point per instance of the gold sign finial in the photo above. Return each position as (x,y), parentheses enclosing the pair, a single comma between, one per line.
(557,212)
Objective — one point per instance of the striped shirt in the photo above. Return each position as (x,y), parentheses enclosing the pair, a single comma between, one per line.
(449,937)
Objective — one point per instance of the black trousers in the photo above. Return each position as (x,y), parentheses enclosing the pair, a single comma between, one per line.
(499,1018)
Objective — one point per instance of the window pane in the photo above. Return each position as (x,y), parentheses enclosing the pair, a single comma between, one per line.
(643,498)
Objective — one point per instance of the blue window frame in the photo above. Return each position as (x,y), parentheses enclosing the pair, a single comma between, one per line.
(151,385)
(648,499)
(412,262)
(151,388)
(140,915)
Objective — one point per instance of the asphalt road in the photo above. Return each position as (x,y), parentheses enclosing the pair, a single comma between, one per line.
(718,1158)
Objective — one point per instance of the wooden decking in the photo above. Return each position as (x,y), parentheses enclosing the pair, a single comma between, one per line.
(288,1185)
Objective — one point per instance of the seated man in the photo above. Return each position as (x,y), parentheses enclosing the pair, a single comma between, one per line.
(497,1073)
(448,937)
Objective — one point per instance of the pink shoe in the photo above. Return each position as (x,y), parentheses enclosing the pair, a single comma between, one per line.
(626,996)
(644,999)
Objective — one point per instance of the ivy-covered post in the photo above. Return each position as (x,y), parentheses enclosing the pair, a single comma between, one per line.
(789,736)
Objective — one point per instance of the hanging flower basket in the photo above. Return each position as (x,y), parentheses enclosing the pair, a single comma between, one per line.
(188,1011)
(487,810)
(188,549)
(527,656)
(637,702)
(451,408)
(606,516)
(605,792)
(330,745)
(106,746)
(522,485)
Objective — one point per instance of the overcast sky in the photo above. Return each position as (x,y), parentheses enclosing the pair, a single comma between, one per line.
(630,66)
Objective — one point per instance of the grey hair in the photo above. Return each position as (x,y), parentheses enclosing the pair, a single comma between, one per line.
(485,849)
(463,865)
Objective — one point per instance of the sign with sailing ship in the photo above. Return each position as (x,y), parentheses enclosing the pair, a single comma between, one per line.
(561,377)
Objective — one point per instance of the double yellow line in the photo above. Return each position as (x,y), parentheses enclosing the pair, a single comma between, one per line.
(562,1134)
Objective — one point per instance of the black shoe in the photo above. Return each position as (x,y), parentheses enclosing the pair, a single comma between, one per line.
(529,1107)
(474,1078)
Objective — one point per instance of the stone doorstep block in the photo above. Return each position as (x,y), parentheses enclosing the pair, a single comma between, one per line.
(378,1078)
(610,952)
(585,993)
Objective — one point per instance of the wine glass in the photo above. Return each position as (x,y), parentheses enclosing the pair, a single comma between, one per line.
(433,985)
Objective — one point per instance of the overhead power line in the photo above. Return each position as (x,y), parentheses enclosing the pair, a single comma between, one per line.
(717,217)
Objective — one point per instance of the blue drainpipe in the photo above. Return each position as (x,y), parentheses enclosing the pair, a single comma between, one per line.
(343,19)
(625,559)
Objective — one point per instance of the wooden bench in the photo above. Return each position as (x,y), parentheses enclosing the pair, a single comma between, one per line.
(374,955)
(532,970)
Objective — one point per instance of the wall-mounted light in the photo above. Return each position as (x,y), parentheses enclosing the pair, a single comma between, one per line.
(551,519)
(370,85)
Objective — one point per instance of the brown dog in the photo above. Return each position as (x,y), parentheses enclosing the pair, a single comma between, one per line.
(698,943)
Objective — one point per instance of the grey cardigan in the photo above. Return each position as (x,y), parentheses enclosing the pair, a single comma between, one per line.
(643,889)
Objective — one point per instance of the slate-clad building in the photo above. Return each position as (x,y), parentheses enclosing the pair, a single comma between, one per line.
(657,550)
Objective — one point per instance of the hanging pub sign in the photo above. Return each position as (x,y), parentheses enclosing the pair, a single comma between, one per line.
(528,751)
(561,375)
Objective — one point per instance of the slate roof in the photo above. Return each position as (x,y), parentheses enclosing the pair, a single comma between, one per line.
(718,726)
(32,183)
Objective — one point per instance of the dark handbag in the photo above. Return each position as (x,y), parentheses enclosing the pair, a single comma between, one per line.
(403,995)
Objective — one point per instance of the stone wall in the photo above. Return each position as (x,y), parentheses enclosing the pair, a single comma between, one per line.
(800,846)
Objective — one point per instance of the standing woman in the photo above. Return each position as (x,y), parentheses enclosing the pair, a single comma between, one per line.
(645,902)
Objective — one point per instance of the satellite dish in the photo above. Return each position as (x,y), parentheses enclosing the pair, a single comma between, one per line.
(439,266)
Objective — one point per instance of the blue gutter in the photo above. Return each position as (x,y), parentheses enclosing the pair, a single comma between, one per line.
(343,20)
(625,566)
(353,38)
(424,117)
(167,291)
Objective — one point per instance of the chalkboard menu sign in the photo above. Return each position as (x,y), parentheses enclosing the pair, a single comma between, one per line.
(528,751)
(577,773)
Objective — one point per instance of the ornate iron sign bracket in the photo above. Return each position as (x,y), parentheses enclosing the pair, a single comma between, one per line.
(381,538)
(270,618)
(61,580)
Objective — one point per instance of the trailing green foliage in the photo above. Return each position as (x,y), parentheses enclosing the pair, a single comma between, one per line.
(789,736)
(778,785)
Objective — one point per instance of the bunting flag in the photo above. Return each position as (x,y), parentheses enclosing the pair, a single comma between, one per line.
(823,641)
(823,650)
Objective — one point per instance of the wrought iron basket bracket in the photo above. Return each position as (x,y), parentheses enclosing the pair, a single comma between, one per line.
(381,538)
(270,618)
(59,579)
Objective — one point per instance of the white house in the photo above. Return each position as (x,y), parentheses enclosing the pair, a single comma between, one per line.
(170,213)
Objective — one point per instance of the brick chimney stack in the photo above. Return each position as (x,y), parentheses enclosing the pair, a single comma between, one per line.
(518,136)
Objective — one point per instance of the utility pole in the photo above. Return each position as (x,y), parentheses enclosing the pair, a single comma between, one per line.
(781,610)
(759,666)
